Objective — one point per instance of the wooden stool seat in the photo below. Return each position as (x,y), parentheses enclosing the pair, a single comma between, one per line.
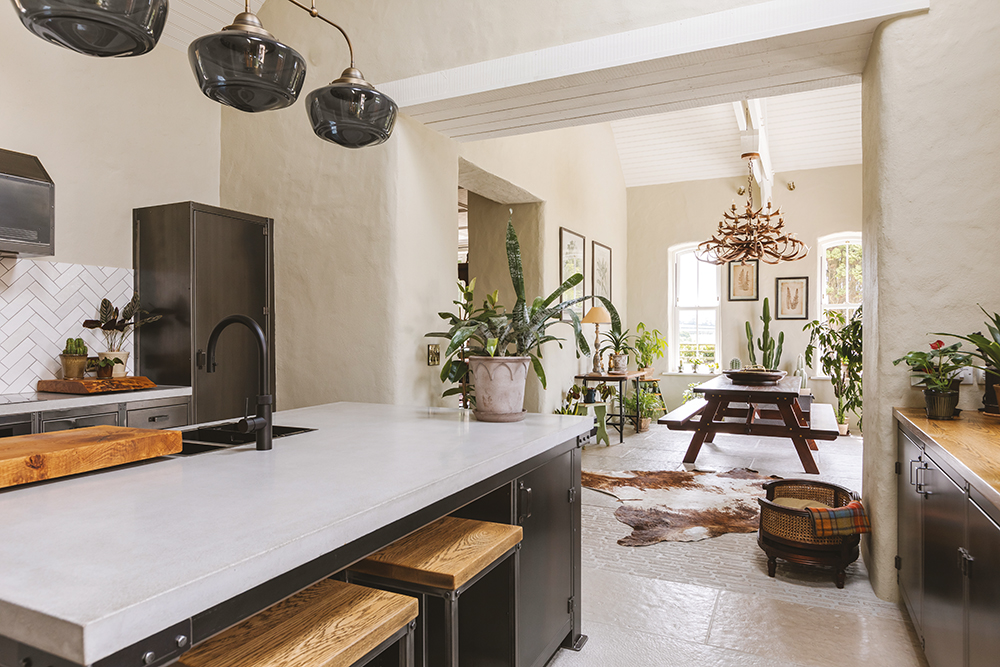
(331,624)
(446,554)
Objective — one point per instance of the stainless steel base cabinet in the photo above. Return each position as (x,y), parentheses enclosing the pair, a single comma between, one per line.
(909,522)
(984,587)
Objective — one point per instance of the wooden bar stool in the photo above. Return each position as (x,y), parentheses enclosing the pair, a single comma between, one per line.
(330,624)
(441,562)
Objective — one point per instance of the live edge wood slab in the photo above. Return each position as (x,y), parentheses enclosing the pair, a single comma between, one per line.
(33,458)
(95,385)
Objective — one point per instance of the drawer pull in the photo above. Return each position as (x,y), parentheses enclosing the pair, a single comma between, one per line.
(159,418)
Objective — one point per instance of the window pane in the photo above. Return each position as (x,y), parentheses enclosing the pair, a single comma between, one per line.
(836,268)
(706,335)
(708,287)
(687,326)
(687,279)
(854,268)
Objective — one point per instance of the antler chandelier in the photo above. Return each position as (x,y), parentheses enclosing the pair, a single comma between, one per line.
(751,235)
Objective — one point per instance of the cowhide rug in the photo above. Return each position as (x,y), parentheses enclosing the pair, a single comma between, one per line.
(681,506)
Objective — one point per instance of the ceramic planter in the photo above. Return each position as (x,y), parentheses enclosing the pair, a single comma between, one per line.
(619,364)
(119,369)
(499,383)
(940,403)
(73,365)
(842,428)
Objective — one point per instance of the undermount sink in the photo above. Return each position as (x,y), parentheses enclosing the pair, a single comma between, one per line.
(220,436)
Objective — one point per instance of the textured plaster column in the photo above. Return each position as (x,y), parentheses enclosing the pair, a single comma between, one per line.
(931,132)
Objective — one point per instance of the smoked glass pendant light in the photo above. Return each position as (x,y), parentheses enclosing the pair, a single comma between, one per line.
(245,67)
(350,112)
(96,27)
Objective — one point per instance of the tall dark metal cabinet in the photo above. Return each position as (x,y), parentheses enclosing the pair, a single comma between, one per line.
(196,264)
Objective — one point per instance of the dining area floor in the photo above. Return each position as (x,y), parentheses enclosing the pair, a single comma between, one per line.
(711,602)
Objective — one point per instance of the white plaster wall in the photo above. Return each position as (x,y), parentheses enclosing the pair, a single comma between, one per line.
(576,173)
(114,134)
(825,201)
(931,131)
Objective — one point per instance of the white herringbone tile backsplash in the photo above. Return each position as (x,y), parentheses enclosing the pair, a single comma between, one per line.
(44,303)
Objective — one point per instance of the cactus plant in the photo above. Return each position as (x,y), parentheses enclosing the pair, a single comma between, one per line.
(769,347)
(735,364)
(800,370)
(75,346)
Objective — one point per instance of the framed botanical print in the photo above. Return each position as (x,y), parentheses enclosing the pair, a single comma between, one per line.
(744,281)
(572,252)
(792,295)
(600,271)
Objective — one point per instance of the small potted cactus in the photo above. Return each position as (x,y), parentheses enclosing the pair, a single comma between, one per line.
(74,359)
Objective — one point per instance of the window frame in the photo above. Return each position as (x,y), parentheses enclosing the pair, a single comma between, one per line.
(673,253)
(825,243)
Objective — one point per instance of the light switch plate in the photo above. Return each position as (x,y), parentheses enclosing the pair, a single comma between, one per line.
(966,375)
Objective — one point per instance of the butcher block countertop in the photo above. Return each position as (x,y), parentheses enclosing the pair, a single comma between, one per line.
(94,563)
(971,443)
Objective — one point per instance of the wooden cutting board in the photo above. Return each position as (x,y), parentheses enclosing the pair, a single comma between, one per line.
(95,385)
(32,458)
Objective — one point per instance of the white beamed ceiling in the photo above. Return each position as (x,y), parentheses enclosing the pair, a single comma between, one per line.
(190,19)
(761,50)
(810,130)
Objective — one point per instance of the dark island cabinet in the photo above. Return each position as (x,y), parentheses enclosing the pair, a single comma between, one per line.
(948,558)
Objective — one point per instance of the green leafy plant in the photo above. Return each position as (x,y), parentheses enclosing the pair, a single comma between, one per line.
(689,394)
(571,404)
(117,329)
(987,349)
(108,362)
(936,369)
(649,345)
(617,342)
(524,330)
(770,347)
(648,405)
(606,391)
(75,346)
(840,343)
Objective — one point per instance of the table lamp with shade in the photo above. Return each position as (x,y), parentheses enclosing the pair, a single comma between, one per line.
(597,316)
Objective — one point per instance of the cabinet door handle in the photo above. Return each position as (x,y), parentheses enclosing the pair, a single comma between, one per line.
(523,502)
(159,418)
(921,482)
(199,359)
(911,470)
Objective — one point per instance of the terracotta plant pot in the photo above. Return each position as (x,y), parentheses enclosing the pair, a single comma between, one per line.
(619,364)
(940,404)
(119,369)
(106,371)
(643,425)
(73,365)
(499,383)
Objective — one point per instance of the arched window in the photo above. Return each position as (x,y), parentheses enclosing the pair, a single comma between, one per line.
(840,271)
(695,300)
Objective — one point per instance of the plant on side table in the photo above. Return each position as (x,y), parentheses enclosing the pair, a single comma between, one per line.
(649,345)
(74,359)
(647,405)
(117,329)
(505,344)
(937,371)
(840,343)
(619,347)
(987,351)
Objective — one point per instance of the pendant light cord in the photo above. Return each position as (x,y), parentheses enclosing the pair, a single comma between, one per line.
(313,12)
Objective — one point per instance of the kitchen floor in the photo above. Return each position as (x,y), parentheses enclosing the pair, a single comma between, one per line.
(711,602)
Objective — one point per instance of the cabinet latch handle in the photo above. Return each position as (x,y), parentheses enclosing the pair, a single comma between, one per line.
(523,502)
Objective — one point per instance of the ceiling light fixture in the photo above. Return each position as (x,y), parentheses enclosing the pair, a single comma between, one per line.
(751,235)
(103,28)
(245,67)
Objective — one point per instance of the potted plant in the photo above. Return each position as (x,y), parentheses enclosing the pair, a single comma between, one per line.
(502,345)
(117,329)
(647,405)
(937,370)
(987,351)
(106,365)
(618,346)
(74,359)
(839,341)
(770,347)
(696,364)
(649,345)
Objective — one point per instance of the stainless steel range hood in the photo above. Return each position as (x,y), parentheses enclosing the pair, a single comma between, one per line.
(27,206)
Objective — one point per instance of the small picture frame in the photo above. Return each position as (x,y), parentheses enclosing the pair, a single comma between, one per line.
(600,271)
(792,298)
(572,253)
(744,281)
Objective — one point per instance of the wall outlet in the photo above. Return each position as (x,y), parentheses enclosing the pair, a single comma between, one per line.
(980,376)
(966,375)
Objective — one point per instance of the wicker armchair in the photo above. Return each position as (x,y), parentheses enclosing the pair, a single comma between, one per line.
(788,533)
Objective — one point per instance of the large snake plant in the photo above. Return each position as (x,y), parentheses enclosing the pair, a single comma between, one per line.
(491,331)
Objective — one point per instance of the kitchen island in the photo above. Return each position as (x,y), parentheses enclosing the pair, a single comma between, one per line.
(131,566)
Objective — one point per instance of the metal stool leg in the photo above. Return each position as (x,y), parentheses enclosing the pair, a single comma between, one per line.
(451,629)
(406,647)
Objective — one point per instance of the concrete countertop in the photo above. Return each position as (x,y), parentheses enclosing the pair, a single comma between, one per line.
(17,404)
(95,563)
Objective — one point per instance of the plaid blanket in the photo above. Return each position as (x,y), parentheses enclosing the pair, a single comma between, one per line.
(847,520)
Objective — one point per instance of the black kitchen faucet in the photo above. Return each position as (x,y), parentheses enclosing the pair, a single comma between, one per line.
(261,423)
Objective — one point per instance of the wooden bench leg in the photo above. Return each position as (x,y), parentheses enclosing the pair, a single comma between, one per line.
(795,429)
(805,456)
(705,429)
(812,445)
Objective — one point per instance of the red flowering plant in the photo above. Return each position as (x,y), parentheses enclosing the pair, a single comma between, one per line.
(936,369)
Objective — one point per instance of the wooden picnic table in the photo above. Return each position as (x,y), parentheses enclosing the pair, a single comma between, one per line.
(766,410)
